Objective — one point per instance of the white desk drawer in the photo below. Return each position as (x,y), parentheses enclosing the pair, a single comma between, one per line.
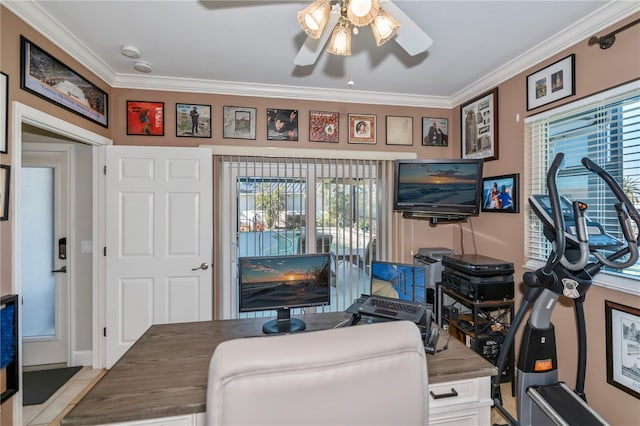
(461,402)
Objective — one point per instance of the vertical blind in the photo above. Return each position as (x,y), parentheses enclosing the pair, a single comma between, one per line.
(606,129)
(282,206)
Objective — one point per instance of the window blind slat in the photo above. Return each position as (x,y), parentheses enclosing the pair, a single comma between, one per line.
(605,129)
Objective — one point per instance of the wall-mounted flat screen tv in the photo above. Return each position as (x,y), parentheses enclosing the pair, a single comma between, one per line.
(440,187)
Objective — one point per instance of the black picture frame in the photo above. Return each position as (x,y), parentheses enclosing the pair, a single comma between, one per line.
(5,187)
(493,202)
(4,113)
(622,328)
(552,83)
(239,122)
(435,131)
(324,126)
(145,118)
(479,127)
(185,124)
(399,130)
(282,124)
(46,77)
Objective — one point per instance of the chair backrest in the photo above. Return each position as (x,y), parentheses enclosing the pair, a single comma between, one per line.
(372,374)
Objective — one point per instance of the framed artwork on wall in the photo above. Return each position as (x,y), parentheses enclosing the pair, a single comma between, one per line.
(362,128)
(43,75)
(193,120)
(399,130)
(500,193)
(5,176)
(282,124)
(238,122)
(4,112)
(479,122)
(435,131)
(324,126)
(623,341)
(145,118)
(553,82)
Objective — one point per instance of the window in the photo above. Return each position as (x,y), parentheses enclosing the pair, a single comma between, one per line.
(282,206)
(605,128)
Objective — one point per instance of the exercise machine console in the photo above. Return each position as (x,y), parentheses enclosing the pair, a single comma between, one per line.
(580,248)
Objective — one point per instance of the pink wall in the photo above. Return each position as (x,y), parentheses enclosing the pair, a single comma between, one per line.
(494,234)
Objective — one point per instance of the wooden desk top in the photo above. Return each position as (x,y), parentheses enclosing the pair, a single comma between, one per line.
(165,372)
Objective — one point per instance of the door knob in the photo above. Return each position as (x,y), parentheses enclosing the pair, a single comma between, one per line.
(202,266)
(63,269)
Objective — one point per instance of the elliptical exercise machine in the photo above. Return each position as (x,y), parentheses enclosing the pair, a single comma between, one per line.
(574,260)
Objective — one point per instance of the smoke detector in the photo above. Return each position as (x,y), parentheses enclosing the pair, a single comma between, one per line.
(142,66)
(131,51)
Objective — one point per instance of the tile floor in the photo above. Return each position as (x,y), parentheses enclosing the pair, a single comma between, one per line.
(51,411)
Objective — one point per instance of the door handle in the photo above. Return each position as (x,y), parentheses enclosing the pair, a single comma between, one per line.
(63,269)
(202,266)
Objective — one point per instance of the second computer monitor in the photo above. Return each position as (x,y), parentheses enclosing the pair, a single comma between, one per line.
(400,281)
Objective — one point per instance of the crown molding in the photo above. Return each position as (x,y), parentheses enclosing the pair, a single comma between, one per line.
(604,17)
(35,16)
(234,88)
(31,13)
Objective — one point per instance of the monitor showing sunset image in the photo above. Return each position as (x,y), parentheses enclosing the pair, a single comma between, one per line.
(276,282)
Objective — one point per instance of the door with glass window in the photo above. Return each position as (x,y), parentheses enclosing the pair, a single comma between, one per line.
(44,266)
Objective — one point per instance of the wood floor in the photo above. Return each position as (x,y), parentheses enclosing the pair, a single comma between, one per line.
(508,401)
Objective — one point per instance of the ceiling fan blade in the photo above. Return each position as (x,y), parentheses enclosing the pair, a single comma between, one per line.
(410,36)
(312,48)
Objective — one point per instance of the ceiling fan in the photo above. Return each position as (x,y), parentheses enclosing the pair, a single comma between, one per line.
(324,18)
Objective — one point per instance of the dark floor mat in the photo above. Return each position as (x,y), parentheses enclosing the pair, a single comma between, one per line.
(38,386)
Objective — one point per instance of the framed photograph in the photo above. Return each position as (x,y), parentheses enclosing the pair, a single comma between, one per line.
(4,112)
(435,131)
(323,126)
(5,175)
(623,347)
(193,121)
(145,118)
(362,128)
(399,130)
(500,194)
(239,122)
(479,122)
(551,83)
(282,124)
(46,77)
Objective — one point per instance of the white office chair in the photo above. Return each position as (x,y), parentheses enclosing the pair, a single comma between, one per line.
(373,374)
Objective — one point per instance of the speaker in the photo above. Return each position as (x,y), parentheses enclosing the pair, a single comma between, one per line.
(450,312)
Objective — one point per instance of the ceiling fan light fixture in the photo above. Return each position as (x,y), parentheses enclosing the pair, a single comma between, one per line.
(340,43)
(362,12)
(314,17)
(384,27)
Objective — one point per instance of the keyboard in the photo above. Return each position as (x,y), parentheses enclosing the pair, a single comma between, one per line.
(386,307)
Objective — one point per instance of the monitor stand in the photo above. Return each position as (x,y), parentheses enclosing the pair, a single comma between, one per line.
(283,324)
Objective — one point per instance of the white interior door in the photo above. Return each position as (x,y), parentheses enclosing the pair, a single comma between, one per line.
(45,281)
(159,241)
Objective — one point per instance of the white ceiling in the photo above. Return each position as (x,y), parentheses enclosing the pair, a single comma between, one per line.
(248,47)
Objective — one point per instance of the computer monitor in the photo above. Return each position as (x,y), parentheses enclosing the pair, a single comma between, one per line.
(400,281)
(283,283)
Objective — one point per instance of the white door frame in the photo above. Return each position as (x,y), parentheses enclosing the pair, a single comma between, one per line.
(24,114)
